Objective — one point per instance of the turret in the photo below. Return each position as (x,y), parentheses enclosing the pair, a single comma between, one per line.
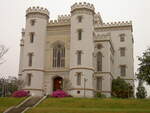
(34,49)
(81,49)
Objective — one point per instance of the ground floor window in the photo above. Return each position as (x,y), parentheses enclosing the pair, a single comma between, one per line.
(29,79)
(99,83)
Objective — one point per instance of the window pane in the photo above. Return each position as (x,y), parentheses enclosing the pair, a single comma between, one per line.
(29,79)
(30,59)
(122,37)
(78,78)
(79,34)
(122,51)
(79,57)
(79,19)
(59,56)
(32,37)
(123,70)
(99,83)
(99,61)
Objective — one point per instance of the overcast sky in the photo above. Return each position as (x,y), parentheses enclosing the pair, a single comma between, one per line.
(12,20)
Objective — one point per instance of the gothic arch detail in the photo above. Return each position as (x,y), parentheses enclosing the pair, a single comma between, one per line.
(58,54)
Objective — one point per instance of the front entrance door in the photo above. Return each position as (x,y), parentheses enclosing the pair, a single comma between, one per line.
(58,83)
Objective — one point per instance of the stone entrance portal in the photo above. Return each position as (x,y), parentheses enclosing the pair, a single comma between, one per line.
(57,83)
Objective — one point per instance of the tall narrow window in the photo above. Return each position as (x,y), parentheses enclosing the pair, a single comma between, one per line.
(79,19)
(99,61)
(122,37)
(122,51)
(29,79)
(59,56)
(123,70)
(31,37)
(79,57)
(99,83)
(30,59)
(78,78)
(80,34)
(32,22)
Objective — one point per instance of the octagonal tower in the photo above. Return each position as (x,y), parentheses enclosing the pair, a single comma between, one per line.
(32,68)
(81,49)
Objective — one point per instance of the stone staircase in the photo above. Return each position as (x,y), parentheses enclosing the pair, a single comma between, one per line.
(27,104)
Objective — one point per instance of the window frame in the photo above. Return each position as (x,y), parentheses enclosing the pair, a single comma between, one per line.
(79,57)
(99,83)
(122,37)
(30,59)
(123,70)
(80,34)
(32,22)
(122,51)
(80,18)
(58,56)
(78,78)
(99,62)
(29,76)
(32,34)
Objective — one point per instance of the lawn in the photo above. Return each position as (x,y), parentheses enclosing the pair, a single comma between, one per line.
(93,105)
(6,102)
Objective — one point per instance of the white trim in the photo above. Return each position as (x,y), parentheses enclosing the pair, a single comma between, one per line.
(9,109)
(39,101)
(23,102)
(25,109)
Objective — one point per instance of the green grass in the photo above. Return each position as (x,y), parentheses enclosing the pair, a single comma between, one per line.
(6,102)
(93,105)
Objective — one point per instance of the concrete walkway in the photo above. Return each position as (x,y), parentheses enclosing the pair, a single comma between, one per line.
(29,103)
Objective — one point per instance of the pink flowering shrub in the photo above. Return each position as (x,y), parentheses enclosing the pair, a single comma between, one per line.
(20,93)
(59,94)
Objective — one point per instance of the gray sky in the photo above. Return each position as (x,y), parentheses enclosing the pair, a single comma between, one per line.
(12,19)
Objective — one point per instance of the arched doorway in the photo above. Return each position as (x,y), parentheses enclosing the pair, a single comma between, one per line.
(57,83)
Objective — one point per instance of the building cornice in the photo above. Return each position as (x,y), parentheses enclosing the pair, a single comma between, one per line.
(108,73)
(82,68)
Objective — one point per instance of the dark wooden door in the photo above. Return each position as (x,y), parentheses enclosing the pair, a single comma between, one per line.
(57,83)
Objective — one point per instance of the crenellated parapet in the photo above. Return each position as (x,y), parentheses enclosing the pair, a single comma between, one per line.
(113,24)
(82,5)
(41,10)
(62,19)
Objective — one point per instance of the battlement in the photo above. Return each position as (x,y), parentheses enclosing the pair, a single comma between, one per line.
(64,17)
(82,5)
(113,24)
(37,10)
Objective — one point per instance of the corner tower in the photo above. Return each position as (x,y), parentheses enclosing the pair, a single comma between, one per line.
(34,49)
(81,49)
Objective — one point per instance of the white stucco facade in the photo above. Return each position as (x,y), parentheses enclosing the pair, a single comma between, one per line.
(82,31)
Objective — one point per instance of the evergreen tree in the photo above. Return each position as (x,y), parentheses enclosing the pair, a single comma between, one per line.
(121,89)
(144,69)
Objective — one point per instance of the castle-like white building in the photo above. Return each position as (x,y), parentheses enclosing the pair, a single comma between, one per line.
(78,53)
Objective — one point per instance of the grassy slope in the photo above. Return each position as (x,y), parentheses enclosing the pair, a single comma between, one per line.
(81,105)
(7,102)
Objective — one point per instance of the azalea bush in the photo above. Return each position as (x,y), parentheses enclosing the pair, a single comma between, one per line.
(59,94)
(20,93)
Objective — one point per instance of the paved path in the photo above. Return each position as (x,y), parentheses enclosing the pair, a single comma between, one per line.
(29,103)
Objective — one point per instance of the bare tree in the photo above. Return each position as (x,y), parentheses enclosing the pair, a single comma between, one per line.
(3,51)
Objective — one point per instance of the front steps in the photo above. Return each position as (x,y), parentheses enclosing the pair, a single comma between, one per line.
(25,105)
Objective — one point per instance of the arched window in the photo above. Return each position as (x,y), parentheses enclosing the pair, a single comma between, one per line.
(58,55)
(99,61)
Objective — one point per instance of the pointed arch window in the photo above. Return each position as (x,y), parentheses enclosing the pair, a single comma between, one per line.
(59,55)
(99,61)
